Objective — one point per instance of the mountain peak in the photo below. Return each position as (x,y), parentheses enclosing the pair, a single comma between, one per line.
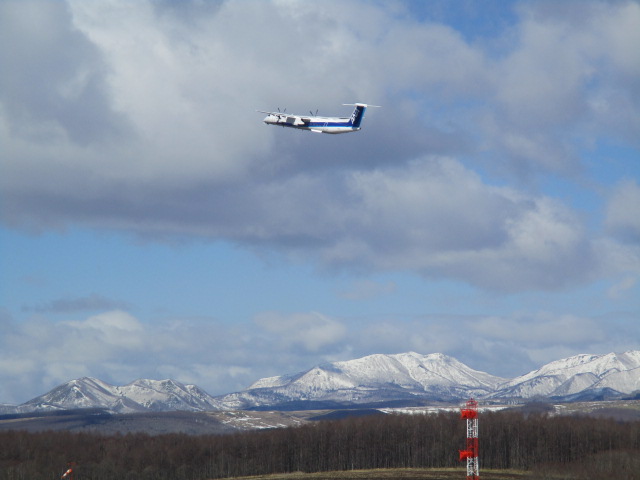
(155,384)
(578,373)
(407,377)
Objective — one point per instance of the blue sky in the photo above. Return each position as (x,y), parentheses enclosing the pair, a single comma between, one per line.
(151,226)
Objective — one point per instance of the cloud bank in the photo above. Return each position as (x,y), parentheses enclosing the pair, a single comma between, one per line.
(117,347)
(141,118)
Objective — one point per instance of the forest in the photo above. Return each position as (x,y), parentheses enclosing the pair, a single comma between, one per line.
(578,447)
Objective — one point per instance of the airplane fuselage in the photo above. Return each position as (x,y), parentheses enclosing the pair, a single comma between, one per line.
(313,123)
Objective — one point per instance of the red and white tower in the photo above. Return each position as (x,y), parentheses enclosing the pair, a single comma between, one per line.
(470,413)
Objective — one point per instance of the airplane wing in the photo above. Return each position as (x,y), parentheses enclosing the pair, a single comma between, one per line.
(280,114)
(288,115)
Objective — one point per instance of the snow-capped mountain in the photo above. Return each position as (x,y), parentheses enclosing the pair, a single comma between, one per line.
(577,375)
(408,377)
(138,396)
(405,378)
(372,379)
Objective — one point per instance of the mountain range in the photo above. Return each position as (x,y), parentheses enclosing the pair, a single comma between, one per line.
(140,396)
(375,380)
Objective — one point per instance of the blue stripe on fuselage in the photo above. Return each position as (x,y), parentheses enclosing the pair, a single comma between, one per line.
(328,128)
(329,124)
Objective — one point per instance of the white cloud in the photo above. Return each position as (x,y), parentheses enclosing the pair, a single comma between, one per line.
(439,219)
(620,289)
(79,304)
(367,289)
(313,331)
(55,92)
(623,211)
(37,354)
(567,81)
(534,331)
(116,328)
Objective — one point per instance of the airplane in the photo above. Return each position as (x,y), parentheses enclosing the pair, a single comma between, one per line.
(317,124)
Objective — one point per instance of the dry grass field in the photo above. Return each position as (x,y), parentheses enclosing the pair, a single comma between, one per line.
(397,474)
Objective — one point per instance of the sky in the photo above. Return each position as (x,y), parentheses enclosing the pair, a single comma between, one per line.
(152,226)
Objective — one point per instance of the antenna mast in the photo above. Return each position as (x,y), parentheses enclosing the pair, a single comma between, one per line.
(470,414)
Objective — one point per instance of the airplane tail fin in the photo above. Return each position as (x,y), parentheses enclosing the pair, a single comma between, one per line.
(358,113)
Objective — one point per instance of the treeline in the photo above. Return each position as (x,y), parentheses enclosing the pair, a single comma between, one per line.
(589,448)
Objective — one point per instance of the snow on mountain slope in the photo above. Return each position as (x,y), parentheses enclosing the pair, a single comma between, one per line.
(625,382)
(569,376)
(413,371)
(80,393)
(141,395)
(374,378)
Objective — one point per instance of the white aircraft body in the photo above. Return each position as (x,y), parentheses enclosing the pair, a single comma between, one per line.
(320,124)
